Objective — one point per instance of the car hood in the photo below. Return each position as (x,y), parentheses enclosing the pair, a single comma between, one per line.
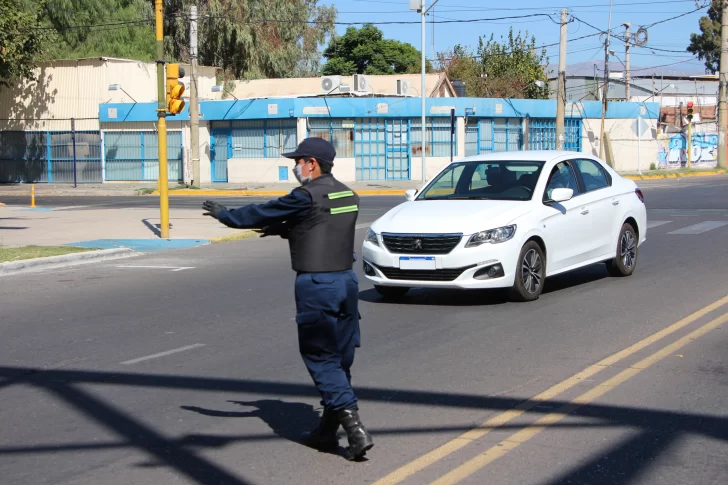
(450,216)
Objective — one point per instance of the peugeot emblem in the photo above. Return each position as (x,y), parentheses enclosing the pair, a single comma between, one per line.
(417,244)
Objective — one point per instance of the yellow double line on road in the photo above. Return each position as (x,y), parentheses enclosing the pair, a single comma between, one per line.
(528,432)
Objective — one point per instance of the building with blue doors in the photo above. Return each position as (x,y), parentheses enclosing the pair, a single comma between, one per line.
(94,120)
(379,139)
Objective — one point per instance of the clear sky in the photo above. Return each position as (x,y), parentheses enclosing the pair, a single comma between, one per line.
(672,35)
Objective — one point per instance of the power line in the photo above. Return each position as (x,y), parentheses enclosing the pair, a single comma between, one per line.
(74,27)
(391,22)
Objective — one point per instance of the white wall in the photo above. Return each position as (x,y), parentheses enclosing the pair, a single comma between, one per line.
(629,154)
(265,170)
(432,165)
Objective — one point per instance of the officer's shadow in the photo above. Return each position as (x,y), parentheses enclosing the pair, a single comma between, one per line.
(289,420)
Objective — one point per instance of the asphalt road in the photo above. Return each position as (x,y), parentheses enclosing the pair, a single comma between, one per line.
(138,372)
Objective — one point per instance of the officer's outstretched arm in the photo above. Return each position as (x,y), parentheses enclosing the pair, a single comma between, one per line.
(258,216)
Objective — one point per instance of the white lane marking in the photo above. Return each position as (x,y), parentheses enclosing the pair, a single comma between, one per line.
(170,268)
(700,227)
(652,224)
(162,354)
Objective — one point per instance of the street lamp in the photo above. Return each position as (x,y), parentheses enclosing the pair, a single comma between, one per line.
(221,89)
(419,6)
(117,87)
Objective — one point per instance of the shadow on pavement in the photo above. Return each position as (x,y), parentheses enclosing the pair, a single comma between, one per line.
(654,430)
(439,297)
(288,420)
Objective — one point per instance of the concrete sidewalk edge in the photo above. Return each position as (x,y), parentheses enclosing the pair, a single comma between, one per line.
(670,175)
(53,262)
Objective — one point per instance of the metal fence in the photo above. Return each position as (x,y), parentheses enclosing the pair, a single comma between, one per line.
(542,134)
(50,156)
(133,155)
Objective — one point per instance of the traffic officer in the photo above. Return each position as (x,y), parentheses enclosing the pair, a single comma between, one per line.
(318,219)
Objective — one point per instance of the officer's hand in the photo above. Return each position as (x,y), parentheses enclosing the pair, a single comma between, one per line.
(213,209)
(279,229)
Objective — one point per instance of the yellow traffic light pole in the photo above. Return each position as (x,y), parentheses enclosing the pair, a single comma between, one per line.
(162,125)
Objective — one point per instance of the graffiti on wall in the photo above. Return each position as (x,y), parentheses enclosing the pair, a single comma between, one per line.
(672,149)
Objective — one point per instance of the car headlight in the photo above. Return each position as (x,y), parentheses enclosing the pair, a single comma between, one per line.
(492,236)
(372,237)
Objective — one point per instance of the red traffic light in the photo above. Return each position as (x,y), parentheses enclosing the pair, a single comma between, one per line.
(690,104)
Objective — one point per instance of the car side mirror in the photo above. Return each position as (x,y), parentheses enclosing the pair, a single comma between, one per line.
(410,194)
(562,194)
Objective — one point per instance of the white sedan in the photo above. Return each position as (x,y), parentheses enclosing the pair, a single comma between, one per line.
(507,220)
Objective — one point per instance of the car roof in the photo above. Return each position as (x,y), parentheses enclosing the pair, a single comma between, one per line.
(524,155)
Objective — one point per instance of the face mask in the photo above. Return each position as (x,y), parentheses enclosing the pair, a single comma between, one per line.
(297,173)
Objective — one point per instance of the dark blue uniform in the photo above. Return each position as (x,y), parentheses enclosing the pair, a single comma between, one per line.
(327,313)
(319,221)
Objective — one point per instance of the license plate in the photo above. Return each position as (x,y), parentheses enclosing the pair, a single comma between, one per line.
(418,262)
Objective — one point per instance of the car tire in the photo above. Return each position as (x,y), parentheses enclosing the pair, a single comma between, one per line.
(530,273)
(626,254)
(391,291)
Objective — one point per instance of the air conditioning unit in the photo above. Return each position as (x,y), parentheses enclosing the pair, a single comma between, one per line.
(344,88)
(403,87)
(330,83)
(361,83)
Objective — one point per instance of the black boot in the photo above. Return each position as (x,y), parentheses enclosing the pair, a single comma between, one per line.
(359,438)
(323,436)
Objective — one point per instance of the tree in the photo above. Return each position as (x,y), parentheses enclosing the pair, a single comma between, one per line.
(507,69)
(22,41)
(707,44)
(252,38)
(366,51)
(93,28)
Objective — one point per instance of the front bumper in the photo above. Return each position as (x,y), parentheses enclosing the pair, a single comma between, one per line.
(457,269)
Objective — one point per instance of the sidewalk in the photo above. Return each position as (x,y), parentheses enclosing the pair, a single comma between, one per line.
(107,228)
(389,187)
(133,189)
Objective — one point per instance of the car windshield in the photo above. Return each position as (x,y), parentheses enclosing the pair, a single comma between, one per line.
(491,180)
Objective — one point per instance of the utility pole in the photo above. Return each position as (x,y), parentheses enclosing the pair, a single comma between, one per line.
(162,124)
(422,93)
(627,25)
(606,81)
(561,96)
(194,105)
(421,7)
(722,106)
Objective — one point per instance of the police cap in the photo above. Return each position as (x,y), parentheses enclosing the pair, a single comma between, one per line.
(314,147)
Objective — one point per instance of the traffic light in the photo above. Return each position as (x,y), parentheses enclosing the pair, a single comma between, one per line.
(690,111)
(175,89)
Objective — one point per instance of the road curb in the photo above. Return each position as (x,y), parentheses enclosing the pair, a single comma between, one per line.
(52,262)
(669,175)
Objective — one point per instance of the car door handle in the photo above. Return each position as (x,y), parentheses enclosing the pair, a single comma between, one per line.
(585,211)
(615,202)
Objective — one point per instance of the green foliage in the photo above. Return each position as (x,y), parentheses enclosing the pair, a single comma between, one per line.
(706,45)
(507,69)
(239,36)
(95,28)
(366,51)
(21,41)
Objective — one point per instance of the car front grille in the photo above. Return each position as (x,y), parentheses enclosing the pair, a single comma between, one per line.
(421,244)
(448,274)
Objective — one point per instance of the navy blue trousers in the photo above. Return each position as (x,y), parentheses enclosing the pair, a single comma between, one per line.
(327,306)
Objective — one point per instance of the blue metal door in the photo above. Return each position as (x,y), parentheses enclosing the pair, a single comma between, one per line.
(398,158)
(220,141)
(370,152)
